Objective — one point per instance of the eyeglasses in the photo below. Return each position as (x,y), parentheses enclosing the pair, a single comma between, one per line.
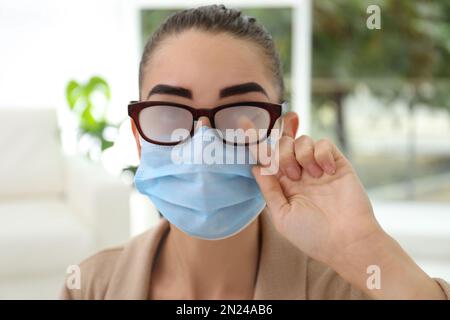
(168,123)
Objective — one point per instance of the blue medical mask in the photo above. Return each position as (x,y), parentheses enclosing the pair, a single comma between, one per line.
(203,198)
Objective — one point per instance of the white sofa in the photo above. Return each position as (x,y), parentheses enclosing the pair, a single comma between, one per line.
(54,210)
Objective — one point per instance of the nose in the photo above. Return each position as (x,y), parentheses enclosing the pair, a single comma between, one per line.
(203,121)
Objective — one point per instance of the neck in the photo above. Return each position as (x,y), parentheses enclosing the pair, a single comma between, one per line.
(214,268)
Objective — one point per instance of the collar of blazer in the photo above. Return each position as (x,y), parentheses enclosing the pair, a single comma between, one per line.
(281,274)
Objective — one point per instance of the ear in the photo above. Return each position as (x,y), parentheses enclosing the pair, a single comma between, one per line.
(136,137)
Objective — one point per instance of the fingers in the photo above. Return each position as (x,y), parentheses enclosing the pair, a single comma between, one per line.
(271,190)
(318,157)
(287,162)
(324,152)
(283,158)
(304,153)
(293,155)
(290,124)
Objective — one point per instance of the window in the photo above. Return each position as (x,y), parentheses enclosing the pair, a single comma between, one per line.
(383,95)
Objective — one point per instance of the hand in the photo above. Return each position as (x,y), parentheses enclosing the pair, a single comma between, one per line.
(318,203)
(316,199)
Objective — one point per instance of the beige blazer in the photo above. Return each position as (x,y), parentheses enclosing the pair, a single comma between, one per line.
(284,271)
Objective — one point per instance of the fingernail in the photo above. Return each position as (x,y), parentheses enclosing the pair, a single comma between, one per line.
(293,173)
(330,169)
(315,170)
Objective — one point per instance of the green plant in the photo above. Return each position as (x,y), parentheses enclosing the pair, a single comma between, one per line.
(89,102)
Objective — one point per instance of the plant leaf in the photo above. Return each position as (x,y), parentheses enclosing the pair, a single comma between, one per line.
(97,83)
(105,144)
(73,93)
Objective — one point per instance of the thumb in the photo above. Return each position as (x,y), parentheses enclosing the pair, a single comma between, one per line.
(271,190)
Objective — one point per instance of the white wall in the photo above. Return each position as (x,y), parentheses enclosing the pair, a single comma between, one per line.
(45,43)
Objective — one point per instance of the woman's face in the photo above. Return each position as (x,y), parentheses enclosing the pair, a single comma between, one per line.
(204,70)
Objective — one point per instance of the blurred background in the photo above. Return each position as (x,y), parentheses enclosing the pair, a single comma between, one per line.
(67,155)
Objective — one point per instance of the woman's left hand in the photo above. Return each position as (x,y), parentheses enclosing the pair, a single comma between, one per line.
(317,201)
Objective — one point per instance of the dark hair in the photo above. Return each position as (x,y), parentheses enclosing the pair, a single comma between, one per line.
(217,19)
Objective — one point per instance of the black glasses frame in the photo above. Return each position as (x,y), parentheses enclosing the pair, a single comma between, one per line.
(135,107)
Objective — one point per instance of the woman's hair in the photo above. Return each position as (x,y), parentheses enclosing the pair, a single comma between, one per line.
(217,19)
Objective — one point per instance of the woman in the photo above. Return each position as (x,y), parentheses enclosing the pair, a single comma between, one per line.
(317,237)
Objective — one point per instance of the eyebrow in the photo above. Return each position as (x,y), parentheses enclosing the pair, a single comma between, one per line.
(225,92)
(166,89)
(241,89)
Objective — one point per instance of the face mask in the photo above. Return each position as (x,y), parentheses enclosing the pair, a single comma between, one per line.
(205,199)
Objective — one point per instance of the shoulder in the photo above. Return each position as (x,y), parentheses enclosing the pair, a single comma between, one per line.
(94,274)
(97,272)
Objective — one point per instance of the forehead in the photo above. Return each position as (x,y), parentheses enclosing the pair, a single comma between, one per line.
(206,61)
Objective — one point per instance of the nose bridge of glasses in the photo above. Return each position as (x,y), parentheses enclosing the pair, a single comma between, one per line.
(203,117)
(203,113)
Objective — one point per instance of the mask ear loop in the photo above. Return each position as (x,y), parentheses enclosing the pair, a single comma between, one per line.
(284,107)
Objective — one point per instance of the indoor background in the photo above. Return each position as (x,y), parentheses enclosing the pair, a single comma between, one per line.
(67,156)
